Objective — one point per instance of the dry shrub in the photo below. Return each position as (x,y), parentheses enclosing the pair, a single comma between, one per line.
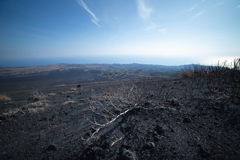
(37,94)
(4,98)
(34,110)
(223,78)
(187,71)
(186,74)
(9,111)
(116,102)
(52,94)
(69,92)
(59,126)
(38,104)
(68,102)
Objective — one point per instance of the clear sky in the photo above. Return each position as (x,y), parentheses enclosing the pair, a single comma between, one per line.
(169,32)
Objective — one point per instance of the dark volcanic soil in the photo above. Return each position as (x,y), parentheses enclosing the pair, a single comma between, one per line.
(176,120)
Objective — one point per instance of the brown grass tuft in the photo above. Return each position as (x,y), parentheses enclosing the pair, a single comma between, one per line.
(34,110)
(68,102)
(10,111)
(4,98)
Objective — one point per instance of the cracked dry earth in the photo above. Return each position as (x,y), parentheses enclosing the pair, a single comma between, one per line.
(176,120)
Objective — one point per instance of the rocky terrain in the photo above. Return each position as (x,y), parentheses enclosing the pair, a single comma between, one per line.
(193,117)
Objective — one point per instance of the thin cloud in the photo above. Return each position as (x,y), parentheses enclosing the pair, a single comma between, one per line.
(190,9)
(218,4)
(151,27)
(95,22)
(162,31)
(143,10)
(238,6)
(95,19)
(198,14)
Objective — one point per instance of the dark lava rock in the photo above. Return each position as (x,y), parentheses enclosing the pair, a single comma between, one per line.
(34,99)
(92,153)
(2,118)
(157,138)
(203,152)
(127,146)
(106,145)
(149,145)
(187,120)
(127,155)
(51,148)
(100,152)
(174,102)
(147,104)
(43,119)
(159,130)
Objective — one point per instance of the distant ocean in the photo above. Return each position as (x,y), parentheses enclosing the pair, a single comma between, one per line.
(93,60)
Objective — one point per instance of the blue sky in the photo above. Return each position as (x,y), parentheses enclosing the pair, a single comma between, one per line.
(128,31)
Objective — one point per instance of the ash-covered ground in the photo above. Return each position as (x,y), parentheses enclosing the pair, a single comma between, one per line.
(171,119)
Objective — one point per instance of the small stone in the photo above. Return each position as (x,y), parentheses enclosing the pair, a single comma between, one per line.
(127,155)
(2,118)
(187,120)
(159,130)
(174,102)
(36,99)
(157,138)
(150,131)
(147,104)
(125,145)
(203,152)
(149,145)
(51,148)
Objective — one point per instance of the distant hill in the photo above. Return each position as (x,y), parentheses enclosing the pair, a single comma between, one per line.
(104,69)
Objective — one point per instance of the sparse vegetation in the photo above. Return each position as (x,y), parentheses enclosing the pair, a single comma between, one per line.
(68,102)
(220,78)
(194,116)
(37,95)
(113,103)
(4,98)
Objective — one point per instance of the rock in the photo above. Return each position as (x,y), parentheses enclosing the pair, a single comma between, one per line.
(125,145)
(203,152)
(2,118)
(81,100)
(78,86)
(99,152)
(51,148)
(127,155)
(36,99)
(149,145)
(43,119)
(94,153)
(159,130)
(187,120)
(157,138)
(174,102)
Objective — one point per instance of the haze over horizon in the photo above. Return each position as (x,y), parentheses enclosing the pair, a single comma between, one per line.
(118,31)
